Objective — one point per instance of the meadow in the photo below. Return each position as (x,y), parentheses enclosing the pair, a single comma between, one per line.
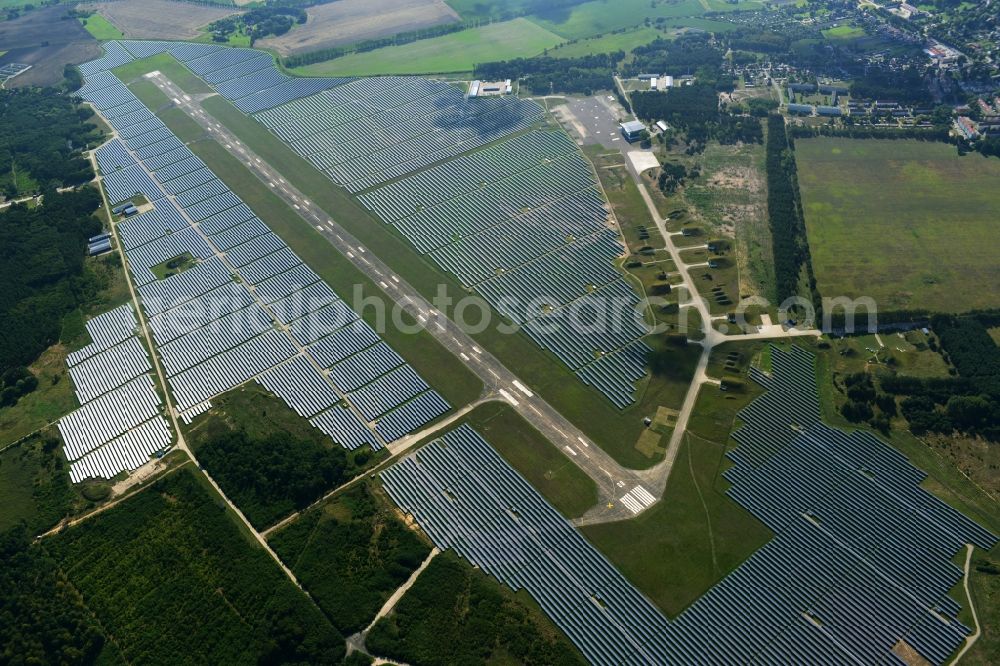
(904,222)
(455,52)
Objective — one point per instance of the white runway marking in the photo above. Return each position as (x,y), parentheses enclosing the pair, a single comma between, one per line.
(509,398)
(523,389)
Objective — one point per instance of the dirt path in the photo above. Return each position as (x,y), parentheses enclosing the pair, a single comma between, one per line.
(971,639)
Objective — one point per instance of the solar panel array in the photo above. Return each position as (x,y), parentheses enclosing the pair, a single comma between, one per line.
(247,308)
(523,223)
(498,219)
(466,497)
(369,131)
(860,559)
(119,423)
(246,77)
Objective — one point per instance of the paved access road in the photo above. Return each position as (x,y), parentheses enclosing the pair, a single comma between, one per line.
(613,480)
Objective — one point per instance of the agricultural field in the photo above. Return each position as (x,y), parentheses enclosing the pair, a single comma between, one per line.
(169,558)
(159,19)
(599,17)
(903,222)
(41,38)
(101,28)
(349,21)
(351,553)
(455,52)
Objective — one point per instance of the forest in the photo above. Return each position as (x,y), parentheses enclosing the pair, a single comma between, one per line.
(42,618)
(170,574)
(967,403)
(694,109)
(258,22)
(270,476)
(42,133)
(43,278)
(905,86)
(543,75)
(351,553)
(455,614)
(791,249)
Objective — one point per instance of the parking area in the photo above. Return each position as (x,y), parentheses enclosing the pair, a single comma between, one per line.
(593,120)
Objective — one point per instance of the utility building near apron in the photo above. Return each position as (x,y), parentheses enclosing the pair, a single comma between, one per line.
(632,130)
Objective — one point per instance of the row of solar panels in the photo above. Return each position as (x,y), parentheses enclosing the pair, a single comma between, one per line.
(212,332)
(466,497)
(466,210)
(119,423)
(370,131)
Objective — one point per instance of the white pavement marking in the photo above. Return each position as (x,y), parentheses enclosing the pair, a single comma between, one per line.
(509,398)
(570,449)
(523,389)
(583,441)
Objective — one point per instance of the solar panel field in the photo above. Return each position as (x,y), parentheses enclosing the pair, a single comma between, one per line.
(885,578)
(211,331)
(531,204)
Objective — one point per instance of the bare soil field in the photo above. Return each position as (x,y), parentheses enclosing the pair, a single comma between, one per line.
(159,19)
(348,21)
(47,41)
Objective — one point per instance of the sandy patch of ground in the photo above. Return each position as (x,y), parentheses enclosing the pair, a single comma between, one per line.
(159,19)
(349,21)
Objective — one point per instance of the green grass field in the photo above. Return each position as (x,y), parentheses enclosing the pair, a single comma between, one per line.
(908,223)
(609,43)
(844,32)
(455,52)
(102,29)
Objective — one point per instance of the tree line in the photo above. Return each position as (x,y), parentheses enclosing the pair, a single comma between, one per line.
(788,233)
(542,75)
(43,278)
